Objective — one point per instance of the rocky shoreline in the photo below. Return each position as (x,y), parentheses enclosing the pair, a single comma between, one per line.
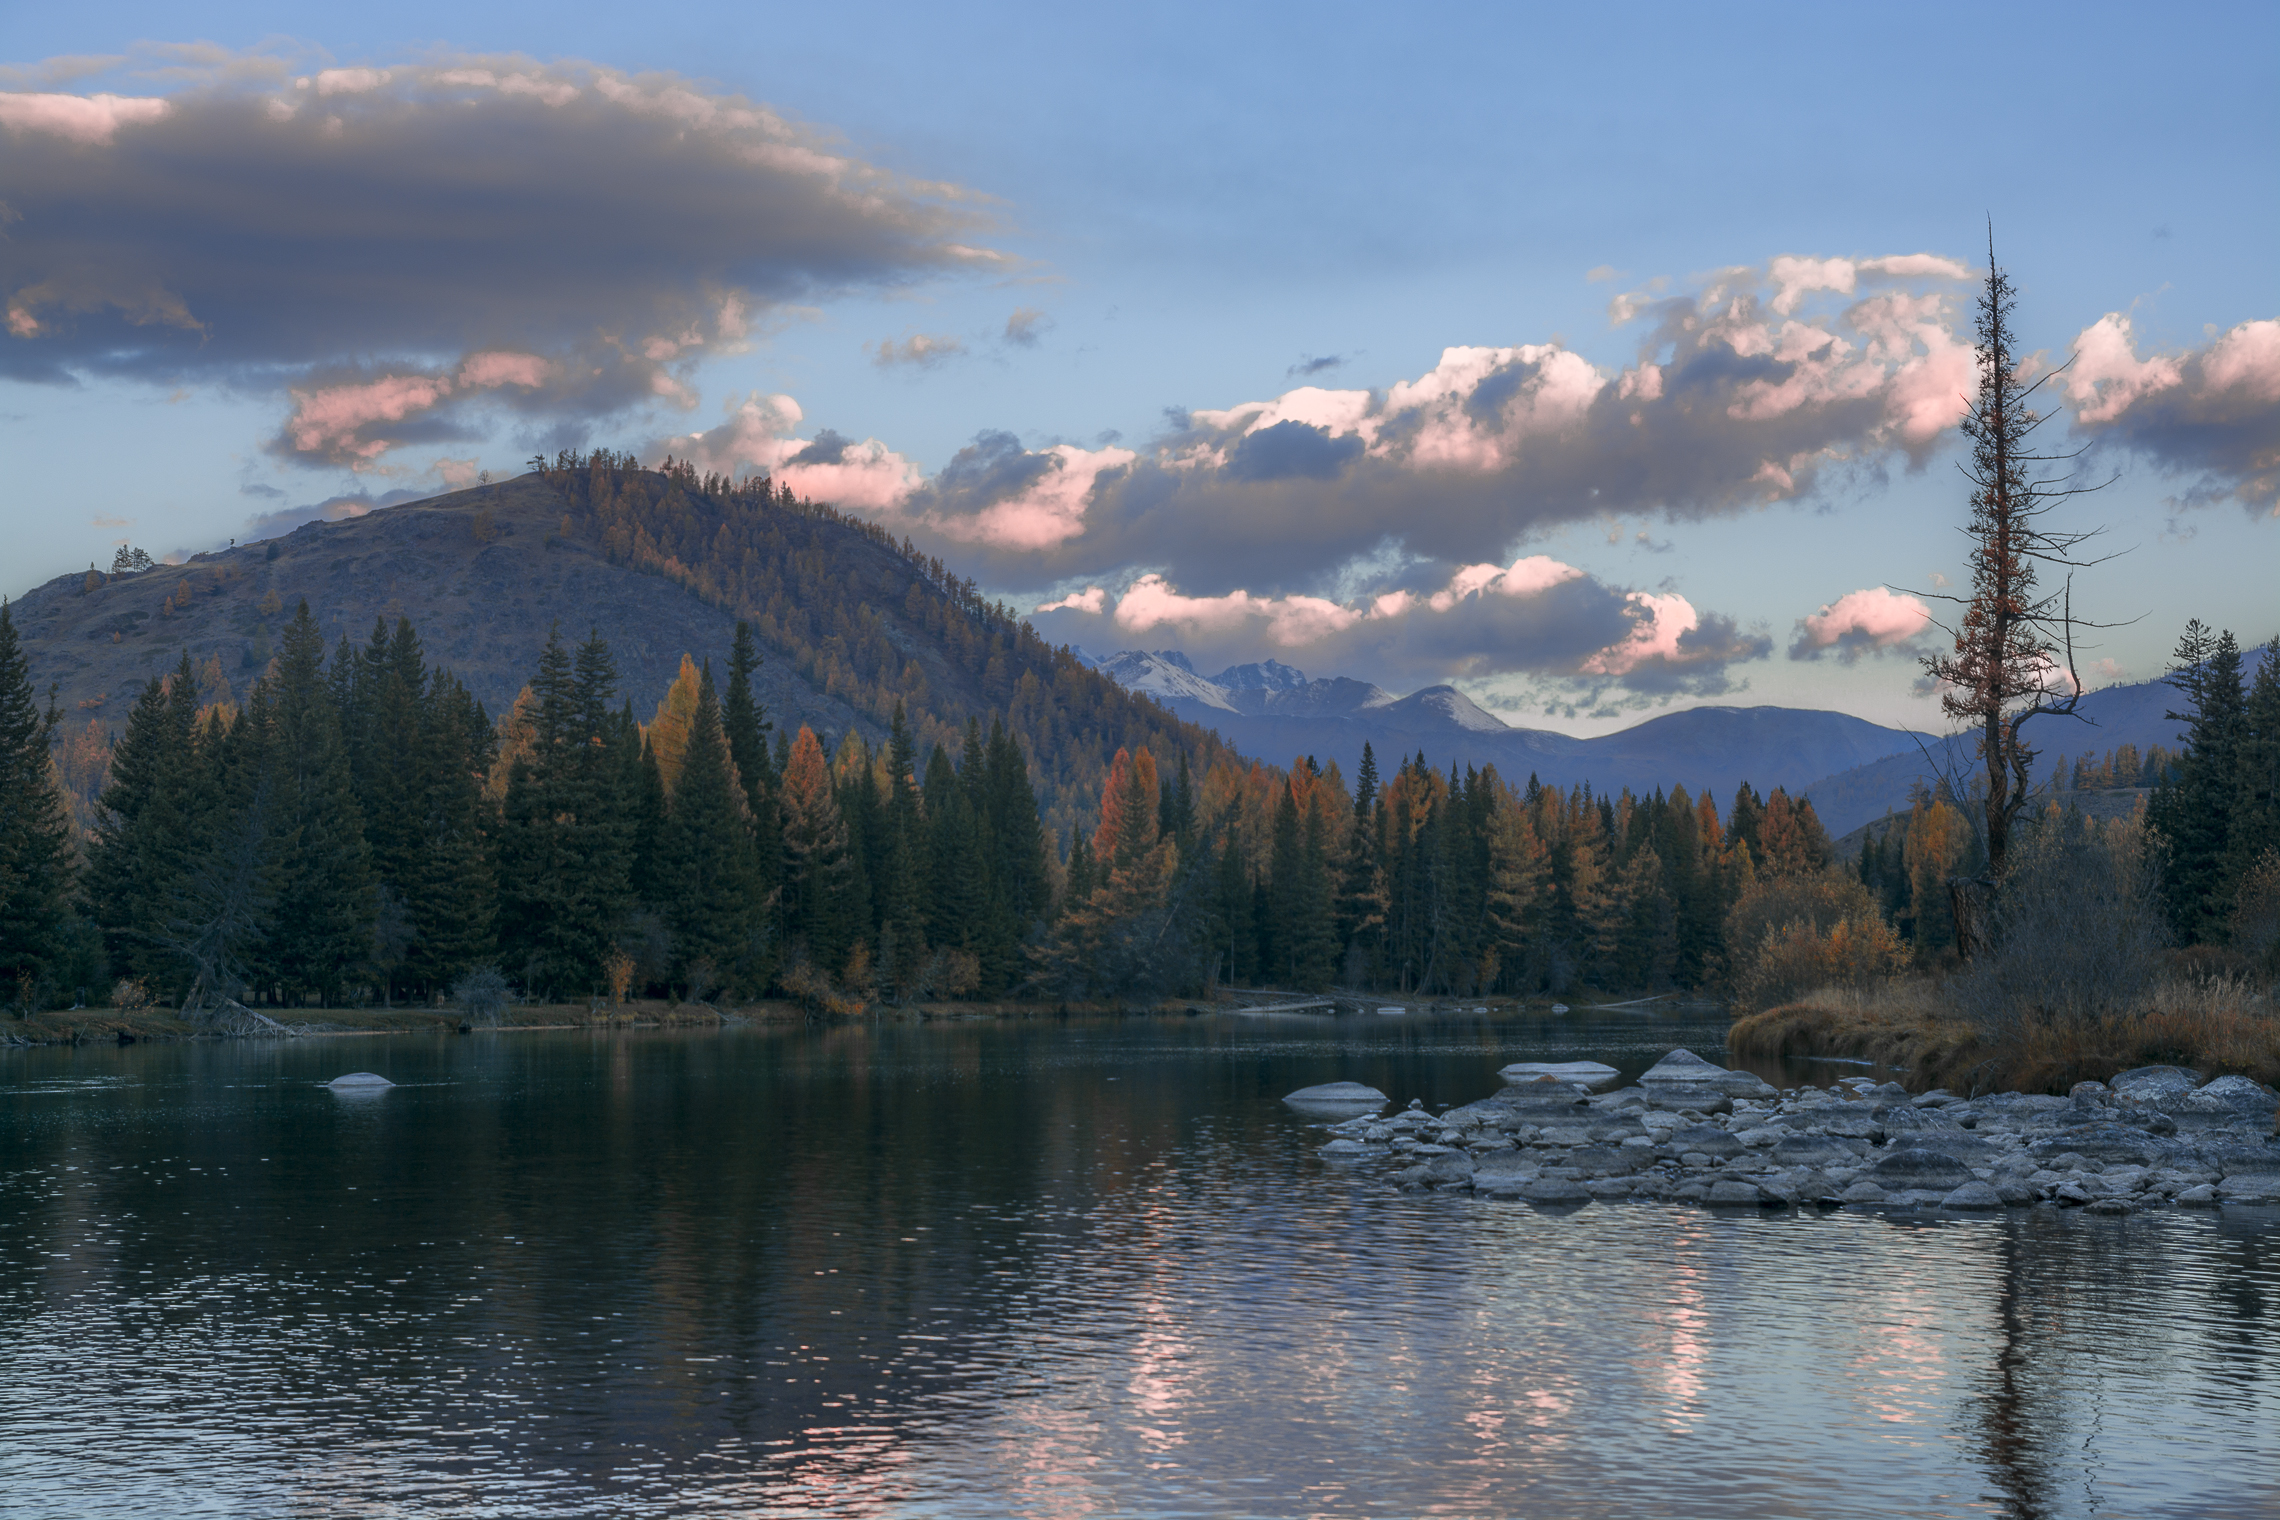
(1693,1132)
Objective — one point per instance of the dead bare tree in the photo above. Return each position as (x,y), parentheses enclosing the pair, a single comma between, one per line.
(2014,654)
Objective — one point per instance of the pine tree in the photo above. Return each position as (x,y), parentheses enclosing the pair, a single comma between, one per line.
(35,832)
(707,870)
(815,856)
(320,935)
(2194,815)
(745,723)
(142,846)
(454,895)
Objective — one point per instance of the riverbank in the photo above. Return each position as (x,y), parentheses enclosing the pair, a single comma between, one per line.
(2217,1026)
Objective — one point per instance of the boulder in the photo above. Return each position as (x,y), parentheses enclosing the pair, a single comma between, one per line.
(2109,1143)
(1554,1191)
(365,1081)
(1816,1150)
(1343,1149)
(1688,1097)
(1685,1068)
(2230,1098)
(1973,1195)
(2110,1206)
(1938,1097)
(1609,1187)
(1732,1193)
(1918,1169)
(1447,1169)
(2202,1197)
(2242,1160)
(1589,1074)
(1342,1098)
(1708,1139)
(1601,1161)
(1863,1191)
(2151,1084)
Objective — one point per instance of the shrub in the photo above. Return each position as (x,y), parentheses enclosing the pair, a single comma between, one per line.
(2076,933)
(1789,935)
(129,995)
(482,995)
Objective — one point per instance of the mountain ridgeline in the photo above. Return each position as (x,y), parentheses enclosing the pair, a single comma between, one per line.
(660,564)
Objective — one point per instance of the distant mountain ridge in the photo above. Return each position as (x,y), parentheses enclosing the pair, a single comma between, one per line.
(1276,712)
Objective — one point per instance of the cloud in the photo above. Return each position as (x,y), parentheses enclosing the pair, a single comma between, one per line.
(1026,326)
(401,246)
(2211,414)
(761,434)
(1728,405)
(1536,617)
(1316,364)
(1868,621)
(924,350)
(331,509)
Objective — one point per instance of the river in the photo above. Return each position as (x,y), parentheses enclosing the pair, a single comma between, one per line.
(1049,1269)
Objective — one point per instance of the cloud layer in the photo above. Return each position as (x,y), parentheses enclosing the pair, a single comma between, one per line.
(400,246)
(2211,415)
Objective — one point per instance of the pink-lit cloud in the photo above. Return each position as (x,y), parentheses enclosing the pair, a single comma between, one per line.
(1871,620)
(2210,415)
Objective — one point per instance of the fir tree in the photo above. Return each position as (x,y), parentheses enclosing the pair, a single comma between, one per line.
(142,846)
(320,936)
(706,862)
(2194,815)
(35,832)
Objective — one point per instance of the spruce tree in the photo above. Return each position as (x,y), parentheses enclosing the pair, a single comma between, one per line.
(816,869)
(745,723)
(35,832)
(320,933)
(705,853)
(142,848)
(2194,814)
(454,895)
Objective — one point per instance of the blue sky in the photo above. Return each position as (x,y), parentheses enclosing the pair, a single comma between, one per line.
(1053,252)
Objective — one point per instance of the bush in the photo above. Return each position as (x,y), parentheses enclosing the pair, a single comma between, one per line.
(2076,933)
(482,995)
(1789,935)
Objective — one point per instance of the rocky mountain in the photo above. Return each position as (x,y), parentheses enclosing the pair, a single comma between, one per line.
(1276,712)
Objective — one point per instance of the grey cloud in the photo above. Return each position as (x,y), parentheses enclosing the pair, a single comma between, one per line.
(994,466)
(332,509)
(1026,326)
(2217,428)
(260,235)
(828,447)
(1290,451)
(1316,364)
(922,350)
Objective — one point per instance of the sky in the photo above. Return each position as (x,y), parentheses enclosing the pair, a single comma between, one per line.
(1598,362)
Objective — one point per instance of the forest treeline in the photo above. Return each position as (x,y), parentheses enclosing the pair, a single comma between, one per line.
(361,829)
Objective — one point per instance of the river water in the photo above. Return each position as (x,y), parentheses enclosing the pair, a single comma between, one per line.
(1036,1269)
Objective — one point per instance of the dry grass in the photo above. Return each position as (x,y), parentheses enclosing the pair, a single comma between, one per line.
(2216,1026)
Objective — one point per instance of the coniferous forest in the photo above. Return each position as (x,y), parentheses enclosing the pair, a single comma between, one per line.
(360,830)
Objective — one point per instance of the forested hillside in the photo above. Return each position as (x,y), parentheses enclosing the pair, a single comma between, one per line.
(659,563)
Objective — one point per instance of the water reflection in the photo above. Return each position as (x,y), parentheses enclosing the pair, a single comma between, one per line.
(1049,1270)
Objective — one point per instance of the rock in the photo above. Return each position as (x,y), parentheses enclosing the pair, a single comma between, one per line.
(1687,1097)
(1608,1187)
(1685,1068)
(367,1081)
(2073,1194)
(1734,1193)
(2150,1084)
(1849,1120)
(2202,1197)
(2230,1098)
(1920,1169)
(1938,1097)
(1816,1150)
(2109,1143)
(1601,1161)
(1554,1191)
(1589,1074)
(1447,1168)
(2089,1092)
(1902,1122)
(1342,1098)
(1973,1195)
(2014,1191)
(1863,1191)
(2240,1160)
(1343,1149)
(2251,1187)
(1705,1139)
(2111,1206)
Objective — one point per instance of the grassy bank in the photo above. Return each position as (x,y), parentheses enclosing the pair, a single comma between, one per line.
(2216,1027)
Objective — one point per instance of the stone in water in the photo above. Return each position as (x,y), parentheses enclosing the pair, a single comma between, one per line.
(369,1081)
(1339,1097)
(1583,1073)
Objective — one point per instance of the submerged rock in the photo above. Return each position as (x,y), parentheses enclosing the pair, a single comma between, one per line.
(1589,1074)
(1920,1169)
(368,1081)
(1337,1097)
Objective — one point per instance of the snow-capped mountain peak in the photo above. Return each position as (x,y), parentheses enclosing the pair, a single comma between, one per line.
(1261,675)
(1165,674)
